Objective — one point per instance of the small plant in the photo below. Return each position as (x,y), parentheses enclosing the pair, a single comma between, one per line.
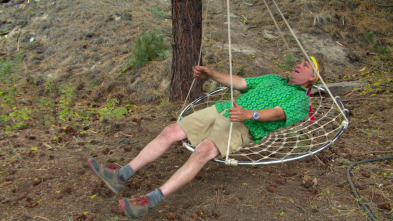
(17,118)
(164,100)
(8,96)
(110,111)
(51,87)
(45,111)
(85,115)
(11,114)
(48,109)
(370,37)
(67,95)
(149,46)
(9,75)
(344,162)
(383,51)
(5,70)
(10,69)
(289,62)
(159,12)
(92,84)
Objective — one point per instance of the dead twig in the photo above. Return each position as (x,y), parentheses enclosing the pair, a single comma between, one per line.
(24,5)
(372,98)
(40,217)
(320,161)
(5,184)
(94,131)
(382,5)
(47,146)
(125,134)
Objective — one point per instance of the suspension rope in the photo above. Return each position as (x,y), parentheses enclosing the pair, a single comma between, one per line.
(278,28)
(230,75)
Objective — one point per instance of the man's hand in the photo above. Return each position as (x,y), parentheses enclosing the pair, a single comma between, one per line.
(239,114)
(202,72)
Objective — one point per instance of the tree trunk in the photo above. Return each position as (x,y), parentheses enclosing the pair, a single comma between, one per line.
(187,35)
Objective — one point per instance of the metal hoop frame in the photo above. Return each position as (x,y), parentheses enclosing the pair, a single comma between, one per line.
(341,130)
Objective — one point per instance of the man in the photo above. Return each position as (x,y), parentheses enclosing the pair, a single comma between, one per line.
(266,103)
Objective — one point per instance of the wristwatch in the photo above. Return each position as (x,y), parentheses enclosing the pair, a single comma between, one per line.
(255,115)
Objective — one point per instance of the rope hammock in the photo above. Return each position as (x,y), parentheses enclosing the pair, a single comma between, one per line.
(320,130)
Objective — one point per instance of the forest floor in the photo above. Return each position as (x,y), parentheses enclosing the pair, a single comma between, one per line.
(62,101)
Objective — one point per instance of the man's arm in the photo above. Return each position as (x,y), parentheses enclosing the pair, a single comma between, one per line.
(239,114)
(202,72)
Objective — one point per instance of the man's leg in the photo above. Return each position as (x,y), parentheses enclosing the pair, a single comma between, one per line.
(202,154)
(115,179)
(158,146)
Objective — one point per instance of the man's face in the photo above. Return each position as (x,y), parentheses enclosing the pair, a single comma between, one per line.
(302,74)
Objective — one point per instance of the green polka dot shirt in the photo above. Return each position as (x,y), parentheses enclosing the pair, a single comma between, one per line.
(269,91)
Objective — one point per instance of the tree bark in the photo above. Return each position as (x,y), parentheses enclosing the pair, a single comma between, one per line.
(187,36)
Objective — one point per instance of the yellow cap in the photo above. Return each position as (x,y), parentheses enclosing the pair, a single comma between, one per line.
(315,64)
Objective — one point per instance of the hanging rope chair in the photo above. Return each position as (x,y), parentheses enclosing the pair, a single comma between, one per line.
(324,126)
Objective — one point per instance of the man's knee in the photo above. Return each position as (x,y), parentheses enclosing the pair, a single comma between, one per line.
(173,132)
(207,149)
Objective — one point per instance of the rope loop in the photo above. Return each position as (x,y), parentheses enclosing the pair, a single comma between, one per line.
(231,162)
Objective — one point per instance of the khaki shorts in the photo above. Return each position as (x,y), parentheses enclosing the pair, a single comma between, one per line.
(209,124)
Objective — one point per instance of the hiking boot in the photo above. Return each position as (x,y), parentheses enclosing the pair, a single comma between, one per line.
(109,176)
(136,207)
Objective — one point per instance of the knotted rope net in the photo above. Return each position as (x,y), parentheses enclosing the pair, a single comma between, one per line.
(314,134)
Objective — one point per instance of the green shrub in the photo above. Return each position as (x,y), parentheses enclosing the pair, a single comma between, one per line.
(51,87)
(9,76)
(160,13)
(149,46)
(110,111)
(67,95)
(290,62)
(383,51)
(17,118)
(370,37)
(5,70)
(46,111)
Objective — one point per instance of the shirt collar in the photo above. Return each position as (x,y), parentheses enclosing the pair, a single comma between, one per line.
(297,86)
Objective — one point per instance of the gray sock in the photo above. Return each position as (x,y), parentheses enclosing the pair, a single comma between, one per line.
(155,196)
(125,173)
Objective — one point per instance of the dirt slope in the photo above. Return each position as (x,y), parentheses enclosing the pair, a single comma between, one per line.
(84,43)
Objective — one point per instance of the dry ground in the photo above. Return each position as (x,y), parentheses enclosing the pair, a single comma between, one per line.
(44,173)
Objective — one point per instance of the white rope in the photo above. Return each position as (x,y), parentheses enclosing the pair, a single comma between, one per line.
(278,27)
(230,75)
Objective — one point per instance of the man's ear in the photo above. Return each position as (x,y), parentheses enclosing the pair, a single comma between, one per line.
(313,77)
